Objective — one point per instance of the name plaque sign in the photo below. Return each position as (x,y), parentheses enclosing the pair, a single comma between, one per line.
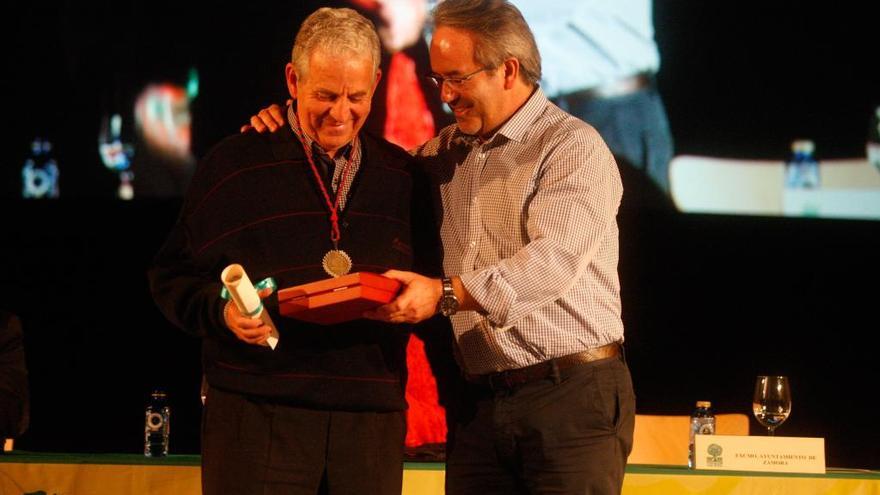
(771,454)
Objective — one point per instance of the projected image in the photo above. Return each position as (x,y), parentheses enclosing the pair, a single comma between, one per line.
(163,119)
(700,118)
(162,163)
(155,158)
(599,64)
(599,61)
(115,154)
(802,185)
(40,173)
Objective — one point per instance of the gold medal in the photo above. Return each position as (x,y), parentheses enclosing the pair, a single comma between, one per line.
(336,263)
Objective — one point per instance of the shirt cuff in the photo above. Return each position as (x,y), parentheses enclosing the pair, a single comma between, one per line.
(492,292)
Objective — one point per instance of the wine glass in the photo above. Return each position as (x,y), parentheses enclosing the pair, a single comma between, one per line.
(772,401)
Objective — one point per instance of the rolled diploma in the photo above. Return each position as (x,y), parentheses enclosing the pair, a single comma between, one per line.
(246,298)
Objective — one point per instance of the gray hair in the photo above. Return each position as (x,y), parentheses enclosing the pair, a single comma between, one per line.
(340,32)
(501,33)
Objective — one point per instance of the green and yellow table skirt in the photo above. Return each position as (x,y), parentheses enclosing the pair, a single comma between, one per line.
(24,473)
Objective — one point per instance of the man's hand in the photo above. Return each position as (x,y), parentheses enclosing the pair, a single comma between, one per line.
(249,330)
(269,119)
(417,301)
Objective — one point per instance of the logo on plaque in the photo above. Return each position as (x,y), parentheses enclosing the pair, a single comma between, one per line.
(714,460)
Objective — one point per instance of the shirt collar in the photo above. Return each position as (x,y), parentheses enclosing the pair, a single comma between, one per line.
(293,121)
(516,126)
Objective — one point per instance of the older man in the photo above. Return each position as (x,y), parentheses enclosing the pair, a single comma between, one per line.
(323,411)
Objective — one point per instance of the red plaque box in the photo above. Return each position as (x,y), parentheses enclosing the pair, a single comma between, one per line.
(335,300)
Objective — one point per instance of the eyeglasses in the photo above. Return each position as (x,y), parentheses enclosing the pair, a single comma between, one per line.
(453,82)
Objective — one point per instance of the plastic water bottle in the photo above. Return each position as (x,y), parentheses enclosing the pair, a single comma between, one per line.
(872,147)
(802,168)
(702,423)
(157,425)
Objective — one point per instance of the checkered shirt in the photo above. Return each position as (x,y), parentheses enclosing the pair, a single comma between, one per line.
(529,224)
(339,159)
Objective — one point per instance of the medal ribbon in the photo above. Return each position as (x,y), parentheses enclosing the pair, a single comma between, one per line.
(334,205)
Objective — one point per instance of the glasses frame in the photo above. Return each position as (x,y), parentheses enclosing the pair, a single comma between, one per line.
(454,82)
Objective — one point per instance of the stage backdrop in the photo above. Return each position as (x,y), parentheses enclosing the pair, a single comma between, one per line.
(709,301)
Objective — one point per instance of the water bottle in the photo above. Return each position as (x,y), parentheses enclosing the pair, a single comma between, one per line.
(802,168)
(157,425)
(702,423)
(872,146)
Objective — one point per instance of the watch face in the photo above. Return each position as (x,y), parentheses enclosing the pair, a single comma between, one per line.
(448,303)
(448,306)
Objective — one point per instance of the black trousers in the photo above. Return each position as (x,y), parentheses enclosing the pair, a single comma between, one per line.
(569,436)
(253,447)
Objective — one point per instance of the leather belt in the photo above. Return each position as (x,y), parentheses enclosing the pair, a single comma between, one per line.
(556,368)
(621,87)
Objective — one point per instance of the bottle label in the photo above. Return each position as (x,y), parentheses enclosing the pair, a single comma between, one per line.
(155,421)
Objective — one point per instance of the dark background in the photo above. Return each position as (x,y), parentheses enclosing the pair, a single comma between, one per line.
(709,301)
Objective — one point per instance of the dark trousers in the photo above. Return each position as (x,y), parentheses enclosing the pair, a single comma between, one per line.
(253,447)
(568,436)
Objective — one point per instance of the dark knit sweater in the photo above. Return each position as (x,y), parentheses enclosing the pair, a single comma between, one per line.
(254,201)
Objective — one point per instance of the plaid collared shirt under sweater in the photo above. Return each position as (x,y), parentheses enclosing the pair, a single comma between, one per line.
(340,160)
(529,224)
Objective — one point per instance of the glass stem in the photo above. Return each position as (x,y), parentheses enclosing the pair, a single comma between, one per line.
(770,431)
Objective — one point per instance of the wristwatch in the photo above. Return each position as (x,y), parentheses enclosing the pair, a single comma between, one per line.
(448,304)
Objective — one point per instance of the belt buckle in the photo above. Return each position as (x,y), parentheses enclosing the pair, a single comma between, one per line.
(512,379)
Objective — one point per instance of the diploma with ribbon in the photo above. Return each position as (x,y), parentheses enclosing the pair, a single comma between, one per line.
(237,286)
